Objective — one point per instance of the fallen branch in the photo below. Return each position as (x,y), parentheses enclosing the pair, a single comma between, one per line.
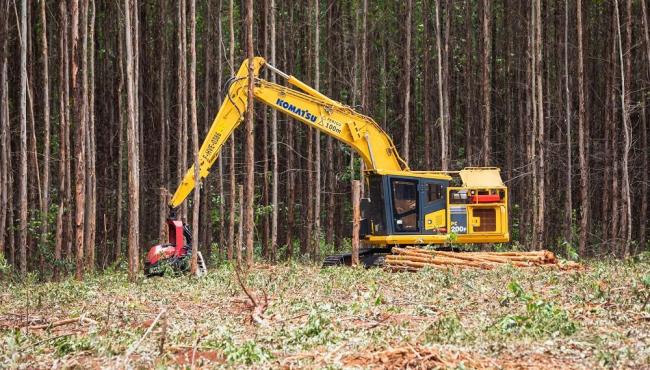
(61,323)
(257,314)
(146,333)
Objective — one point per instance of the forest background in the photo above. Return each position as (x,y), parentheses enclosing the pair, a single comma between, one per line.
(100,100)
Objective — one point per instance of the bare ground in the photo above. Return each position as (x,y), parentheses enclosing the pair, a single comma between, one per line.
(336,318)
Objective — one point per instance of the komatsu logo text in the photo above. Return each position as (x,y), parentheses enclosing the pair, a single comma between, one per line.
(295,110)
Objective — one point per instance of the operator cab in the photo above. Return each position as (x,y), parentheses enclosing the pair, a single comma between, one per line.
(427,210)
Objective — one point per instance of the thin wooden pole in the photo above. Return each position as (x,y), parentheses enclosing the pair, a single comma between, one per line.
(356,219)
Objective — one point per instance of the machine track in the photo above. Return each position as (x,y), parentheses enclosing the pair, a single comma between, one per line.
(369,257)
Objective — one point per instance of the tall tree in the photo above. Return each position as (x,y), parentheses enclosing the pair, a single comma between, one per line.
(407,81)
(274,147)
(249,217)
(63,146)
(443,121)
(645,183)
(91,185)
(22,176)
(181,131)
(582,137)
(233,186)
(627,232)
(195,138)
(487,82)
(568,200)
(317,156)
(46,129)
(540,155)
(132,141)
(5,136)
(120,138)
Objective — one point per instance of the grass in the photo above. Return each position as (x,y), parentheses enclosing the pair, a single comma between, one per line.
(506,317)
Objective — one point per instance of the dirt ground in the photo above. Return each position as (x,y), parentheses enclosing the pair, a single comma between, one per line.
(305,317)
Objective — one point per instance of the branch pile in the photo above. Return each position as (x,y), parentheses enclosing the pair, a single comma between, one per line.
(413,259)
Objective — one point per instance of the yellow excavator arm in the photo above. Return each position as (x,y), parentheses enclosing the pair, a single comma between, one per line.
(306,105)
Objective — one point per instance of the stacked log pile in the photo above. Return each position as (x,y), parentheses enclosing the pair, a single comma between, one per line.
(412,259)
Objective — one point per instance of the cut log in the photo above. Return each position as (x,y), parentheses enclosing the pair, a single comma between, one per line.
(413,258)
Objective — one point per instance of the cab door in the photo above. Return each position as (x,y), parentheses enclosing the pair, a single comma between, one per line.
(433,197)
(405,210)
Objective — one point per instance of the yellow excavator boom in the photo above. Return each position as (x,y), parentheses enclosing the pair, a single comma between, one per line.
(306,105)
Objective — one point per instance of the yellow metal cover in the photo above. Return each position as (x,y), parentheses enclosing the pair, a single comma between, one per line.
(481,177)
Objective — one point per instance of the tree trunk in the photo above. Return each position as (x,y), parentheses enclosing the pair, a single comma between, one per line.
(249,220)
(46,133)
(540,212)
(91,199)
(317,156)
(195,138)
(120,151)
(487,82)
(356,220)
(407,83)
(5,139)
(627,232)
(582,139)
(444,134)
(240,224)
(274,148)
(427,88)
(643,217)
(181,130)
(22,176)
(163,182)
(231,219)
(132,142)
(568,200)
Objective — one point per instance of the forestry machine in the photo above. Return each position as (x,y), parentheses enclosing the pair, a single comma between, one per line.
(402,206)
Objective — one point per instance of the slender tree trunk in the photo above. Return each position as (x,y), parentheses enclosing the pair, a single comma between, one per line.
(407,82)
(568,200)
(582,138)
(240,224)
(356,219)
(205,222)
(249,219)
(317,156)
(540,212)
(274,148)
(182,102)
(643,217)
(487,82)
(426,99)
(46,133)
(195,138)
(163,211)
(627,232)
(469,78)
(22,176)
(442,122)
(120,150)
(222,194)
(91,199)
(132,142)
(5,137)
(231,219)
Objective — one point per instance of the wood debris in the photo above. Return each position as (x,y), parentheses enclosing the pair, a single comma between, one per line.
(413,259)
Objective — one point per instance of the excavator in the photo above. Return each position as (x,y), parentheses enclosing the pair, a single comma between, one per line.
(402,206)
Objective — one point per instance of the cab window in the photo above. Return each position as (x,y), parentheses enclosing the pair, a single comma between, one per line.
(405,199)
